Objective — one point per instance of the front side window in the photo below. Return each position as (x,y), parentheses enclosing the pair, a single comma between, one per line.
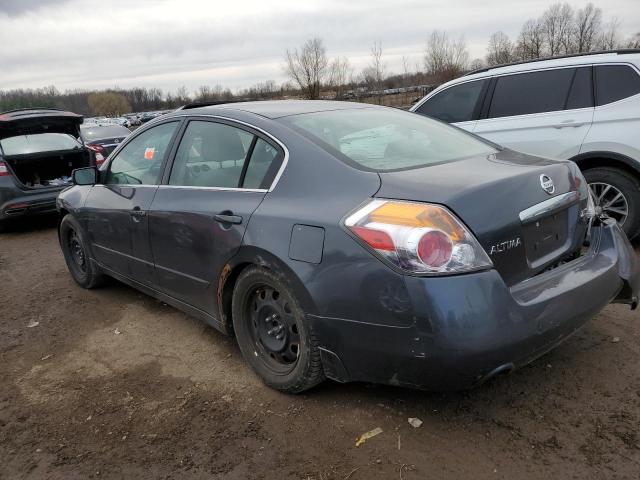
(384,139)
(38,143)
(140,161)
(615,82)
(214,155)
(534,92)
(454,104)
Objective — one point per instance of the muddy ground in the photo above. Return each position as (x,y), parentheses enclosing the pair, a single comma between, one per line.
(110,383)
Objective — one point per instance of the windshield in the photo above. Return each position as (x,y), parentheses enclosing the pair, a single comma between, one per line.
(38,143)
(386,139)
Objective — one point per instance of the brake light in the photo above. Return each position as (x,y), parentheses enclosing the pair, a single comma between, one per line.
(4,170)
(418,237)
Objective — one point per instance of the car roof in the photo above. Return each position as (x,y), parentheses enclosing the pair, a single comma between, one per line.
(277,108)
(630,55)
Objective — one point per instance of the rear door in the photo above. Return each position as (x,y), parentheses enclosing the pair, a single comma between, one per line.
(546,113)
(116,211)
(459,104)
(220,174)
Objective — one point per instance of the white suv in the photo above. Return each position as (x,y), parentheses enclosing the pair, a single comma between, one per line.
(584,108)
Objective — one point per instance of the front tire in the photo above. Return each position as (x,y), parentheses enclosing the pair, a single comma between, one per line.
(617,192)
(76,254)
(272,332)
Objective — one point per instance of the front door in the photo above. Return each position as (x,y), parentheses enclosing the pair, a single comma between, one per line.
(116,210)
(197,219)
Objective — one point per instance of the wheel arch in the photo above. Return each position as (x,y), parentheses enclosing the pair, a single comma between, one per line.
(595,159)
(249,256)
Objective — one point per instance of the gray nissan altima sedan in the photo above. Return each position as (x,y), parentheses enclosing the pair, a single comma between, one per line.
(349,241)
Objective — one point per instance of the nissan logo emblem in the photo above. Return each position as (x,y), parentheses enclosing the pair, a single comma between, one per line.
(547,184)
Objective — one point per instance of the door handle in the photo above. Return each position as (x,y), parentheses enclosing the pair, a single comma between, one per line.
(568,123)
(228,218)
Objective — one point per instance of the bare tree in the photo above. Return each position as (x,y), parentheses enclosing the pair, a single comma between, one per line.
(340,73)
(609,38)
(445,59)
(634,42)
(557,23)
(500,49)
(531,41)
(477,64)
(588,22)
(375,72)
(308,66)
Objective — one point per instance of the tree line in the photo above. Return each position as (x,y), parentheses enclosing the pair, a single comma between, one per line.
(560,30)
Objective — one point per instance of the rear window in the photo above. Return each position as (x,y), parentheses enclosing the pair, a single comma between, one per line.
(384,139)
(38,143)
(615,82)
(535,92)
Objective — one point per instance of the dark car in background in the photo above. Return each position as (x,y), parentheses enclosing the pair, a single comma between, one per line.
(103,139)
(39,148)
(350,241)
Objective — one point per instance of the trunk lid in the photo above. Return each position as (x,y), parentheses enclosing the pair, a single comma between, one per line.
(33,121)
(522,227)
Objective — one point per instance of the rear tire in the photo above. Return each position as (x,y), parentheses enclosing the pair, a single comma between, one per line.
(76,254)
(608,182)
(272,332)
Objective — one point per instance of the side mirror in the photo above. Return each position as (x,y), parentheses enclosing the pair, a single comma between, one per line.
(85,176)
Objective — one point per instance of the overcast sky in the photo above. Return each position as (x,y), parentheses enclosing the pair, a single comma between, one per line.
(169,43)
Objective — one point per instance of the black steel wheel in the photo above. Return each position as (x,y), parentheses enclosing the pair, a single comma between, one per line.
(74,249)
(272,333)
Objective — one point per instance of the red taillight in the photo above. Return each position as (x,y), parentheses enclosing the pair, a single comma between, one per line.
(4,170)
(418,237)
(435,248)
(376,239)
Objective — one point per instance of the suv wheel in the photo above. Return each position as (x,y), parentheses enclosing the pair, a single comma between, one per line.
(272,333)
(618,194)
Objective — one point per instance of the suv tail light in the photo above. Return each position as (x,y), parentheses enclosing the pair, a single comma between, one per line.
(4,170)
(418,237)
(99,152)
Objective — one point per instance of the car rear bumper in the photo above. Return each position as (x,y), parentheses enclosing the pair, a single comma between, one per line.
(468,328)
(17,203)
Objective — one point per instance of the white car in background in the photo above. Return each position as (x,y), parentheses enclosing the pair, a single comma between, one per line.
(584,108)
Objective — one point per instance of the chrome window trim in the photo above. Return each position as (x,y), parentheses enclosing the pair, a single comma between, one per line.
(231,189)
(285,160)
(543,208)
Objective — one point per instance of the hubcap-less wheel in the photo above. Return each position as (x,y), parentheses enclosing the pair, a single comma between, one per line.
(274,329)
(610,201)
(77,252)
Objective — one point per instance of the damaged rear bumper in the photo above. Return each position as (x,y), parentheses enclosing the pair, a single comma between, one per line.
(468,328)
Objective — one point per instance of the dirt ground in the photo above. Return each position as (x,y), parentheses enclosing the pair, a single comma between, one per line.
(110,383)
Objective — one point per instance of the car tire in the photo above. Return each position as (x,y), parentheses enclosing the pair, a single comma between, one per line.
(272,333)
(76,254)
(627,184)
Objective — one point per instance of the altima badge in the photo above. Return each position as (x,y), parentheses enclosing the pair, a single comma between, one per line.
(504,246)
(547,184)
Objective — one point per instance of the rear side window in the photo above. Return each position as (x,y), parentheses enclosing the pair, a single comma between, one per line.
(214,155)
(615,82)
(581,94)
(534,92)
(454,104)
